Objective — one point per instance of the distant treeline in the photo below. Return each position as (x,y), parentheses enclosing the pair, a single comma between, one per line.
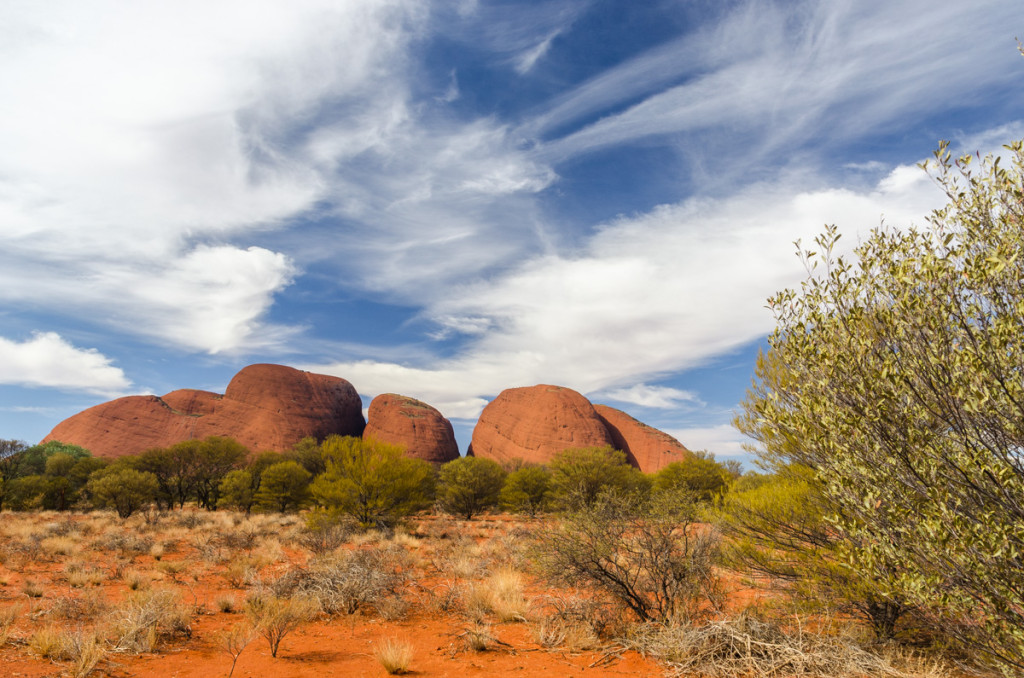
(373,482)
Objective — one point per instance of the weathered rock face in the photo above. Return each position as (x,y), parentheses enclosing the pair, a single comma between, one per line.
(418,427)
(647,448)
(265,407)
(535,423)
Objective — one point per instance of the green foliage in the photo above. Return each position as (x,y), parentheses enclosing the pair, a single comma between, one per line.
(778,530)
(526,490)
(123,489)
(237,491)
(307,453)
(898,377)
(10,458)
(64,470)
(372,481)
(468,485)
(579,475)
(284,486)
(192,469)
(646,553)
(215,457)
(32,460)
(700,475)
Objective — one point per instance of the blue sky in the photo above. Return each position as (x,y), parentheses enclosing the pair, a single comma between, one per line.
(446,199)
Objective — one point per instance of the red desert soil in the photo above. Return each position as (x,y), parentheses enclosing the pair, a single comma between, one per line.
(44,548)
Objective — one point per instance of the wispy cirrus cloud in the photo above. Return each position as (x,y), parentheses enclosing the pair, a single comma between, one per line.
(793,75)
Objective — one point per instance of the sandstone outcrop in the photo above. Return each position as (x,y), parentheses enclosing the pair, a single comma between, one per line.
(535,423)
(265,407)
(647,448)
(418,427)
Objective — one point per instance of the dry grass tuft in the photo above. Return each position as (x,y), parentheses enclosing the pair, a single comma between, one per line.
(394,655)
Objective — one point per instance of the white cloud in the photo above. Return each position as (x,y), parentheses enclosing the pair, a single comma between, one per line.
(724,440)
(140,141)
(647,295)
(49,360)
(644,395)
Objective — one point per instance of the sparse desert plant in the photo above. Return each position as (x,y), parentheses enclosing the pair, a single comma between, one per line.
(83,650)
(143,618)
(157,551)
(326,530)
(646,554)
(507,601)
(78,608)
(46,643)
(394,655)
(8,615)
(136,580)
(227,604)
(234,640)
(60,545)
(349,581)
(32,588)
(241,571)
(748,646)
(478,638)
(171,568)
(274,617)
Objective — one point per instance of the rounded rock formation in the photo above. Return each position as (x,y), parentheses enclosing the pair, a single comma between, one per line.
(535,423)
(265,407)
(416,426)
(647,448)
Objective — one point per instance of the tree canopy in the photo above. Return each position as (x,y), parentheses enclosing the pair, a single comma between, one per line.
(896,375)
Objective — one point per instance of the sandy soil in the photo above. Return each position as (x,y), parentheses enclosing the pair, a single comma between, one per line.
(72,573)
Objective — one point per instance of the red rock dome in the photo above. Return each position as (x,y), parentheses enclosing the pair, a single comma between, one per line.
(265,407)
(416,426)
(535,423)
(647,448)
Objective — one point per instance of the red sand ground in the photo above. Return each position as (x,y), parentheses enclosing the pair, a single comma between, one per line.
(341,646)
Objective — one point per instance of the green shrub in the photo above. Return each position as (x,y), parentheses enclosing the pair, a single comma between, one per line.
(469,485)
(372,481)
(526,490)
(579,475)
(122,489)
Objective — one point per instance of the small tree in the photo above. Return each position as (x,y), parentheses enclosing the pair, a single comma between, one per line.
(580,475)
(468,485)
(372,481)
(123,489)
(237,492)
(10,460)
(896,376)
(216,456)
(283,487)
(526,490)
